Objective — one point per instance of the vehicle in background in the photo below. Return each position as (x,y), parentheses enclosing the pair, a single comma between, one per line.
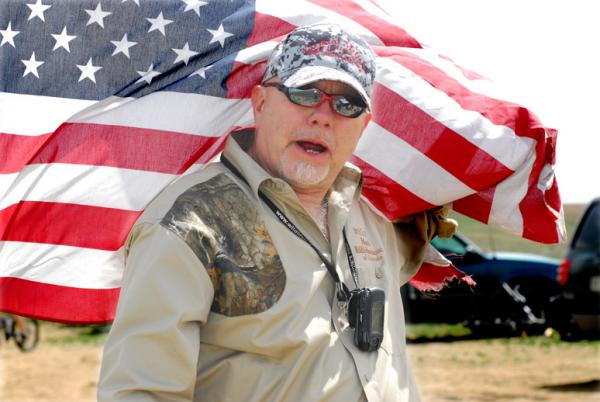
(513,291)
(580,274)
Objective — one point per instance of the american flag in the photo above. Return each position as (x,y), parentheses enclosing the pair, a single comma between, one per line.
(105,102)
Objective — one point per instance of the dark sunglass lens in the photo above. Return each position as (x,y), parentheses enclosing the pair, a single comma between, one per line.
(346,107)
(304,97)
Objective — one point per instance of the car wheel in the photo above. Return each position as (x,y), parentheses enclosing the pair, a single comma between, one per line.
(497,316)
(537,294)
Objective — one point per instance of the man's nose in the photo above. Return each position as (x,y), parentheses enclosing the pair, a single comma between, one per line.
(322,114)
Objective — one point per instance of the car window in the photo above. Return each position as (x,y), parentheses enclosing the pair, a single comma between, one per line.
(451,245)
(589,233)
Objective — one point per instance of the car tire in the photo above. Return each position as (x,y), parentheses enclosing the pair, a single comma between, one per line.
(539,294)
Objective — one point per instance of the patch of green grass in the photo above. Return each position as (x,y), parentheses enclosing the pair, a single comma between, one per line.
(493,239)
(60,334)
(550,341)
(432,331)
(482,356)
(437,331)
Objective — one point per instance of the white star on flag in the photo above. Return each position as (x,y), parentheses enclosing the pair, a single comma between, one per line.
(184,54)
(219,35)
(194,5)
(201,72)
(97,15)
(8,36)
(135,1)
(63,39)
(122,46)
(159,23)
(32,65)
(37,10)
(148,75)
(88,71)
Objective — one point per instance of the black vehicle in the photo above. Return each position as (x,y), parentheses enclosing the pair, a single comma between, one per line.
(513,291)
(580,274)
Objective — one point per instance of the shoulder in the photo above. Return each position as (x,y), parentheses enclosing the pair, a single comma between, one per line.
(190,207)
(205,208)
(371,212)
(179,189)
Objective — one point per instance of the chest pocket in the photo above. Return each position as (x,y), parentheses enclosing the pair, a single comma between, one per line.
(225,231)
(368,255)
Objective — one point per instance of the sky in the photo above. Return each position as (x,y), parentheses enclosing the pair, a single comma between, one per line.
(545,54)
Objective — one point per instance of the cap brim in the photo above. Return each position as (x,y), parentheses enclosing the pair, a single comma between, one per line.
(309,74)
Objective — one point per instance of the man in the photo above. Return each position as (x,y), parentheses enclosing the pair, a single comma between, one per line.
(238,278)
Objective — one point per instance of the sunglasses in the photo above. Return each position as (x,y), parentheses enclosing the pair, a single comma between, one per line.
(313,97)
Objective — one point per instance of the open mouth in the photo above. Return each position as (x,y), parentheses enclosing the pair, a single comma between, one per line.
(311,147)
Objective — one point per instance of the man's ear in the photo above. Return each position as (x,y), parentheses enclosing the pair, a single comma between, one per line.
(367,116)
(257,97)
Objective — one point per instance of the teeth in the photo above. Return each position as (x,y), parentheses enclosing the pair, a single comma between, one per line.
(311,148)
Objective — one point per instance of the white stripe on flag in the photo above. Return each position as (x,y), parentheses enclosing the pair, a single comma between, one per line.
(498,141)
(6,181)
(409,167)
(35,115)
(86,185)
(479,86)
(508,194)
(208,116)
(257,53)
(62,265)
(372,8)
(305,13)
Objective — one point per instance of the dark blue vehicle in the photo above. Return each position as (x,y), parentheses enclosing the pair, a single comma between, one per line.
(514,290)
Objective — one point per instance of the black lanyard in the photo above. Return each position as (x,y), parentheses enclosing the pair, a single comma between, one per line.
(343,293)
(351,261)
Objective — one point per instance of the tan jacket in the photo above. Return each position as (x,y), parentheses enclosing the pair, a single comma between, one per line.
(222,302)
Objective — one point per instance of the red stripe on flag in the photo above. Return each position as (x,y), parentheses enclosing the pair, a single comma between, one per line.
(503,113)
(552,196)
(464,160)
(548,151)
(387,195)
(477,206)
(268,27)
(22,148)
(433,278)
(540,208)
(118,146)
(67,224)
(390,34)
(539,223)
(243,77)
(44,301)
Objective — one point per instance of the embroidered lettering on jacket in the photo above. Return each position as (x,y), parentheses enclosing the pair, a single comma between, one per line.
(365,251)
(223,228)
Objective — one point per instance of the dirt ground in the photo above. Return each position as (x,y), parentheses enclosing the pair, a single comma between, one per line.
(507,370)
(486,370)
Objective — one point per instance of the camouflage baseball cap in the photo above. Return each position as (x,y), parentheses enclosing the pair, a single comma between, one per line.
(323,52)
